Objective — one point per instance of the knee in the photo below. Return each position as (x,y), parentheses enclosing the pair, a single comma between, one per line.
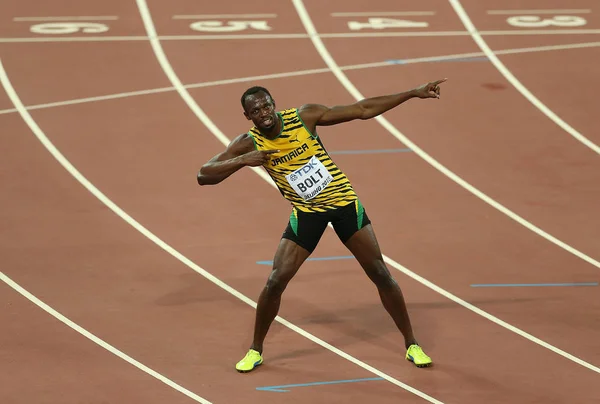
(276,283)
(380,275)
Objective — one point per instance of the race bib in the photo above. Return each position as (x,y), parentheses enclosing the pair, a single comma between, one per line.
(309,180)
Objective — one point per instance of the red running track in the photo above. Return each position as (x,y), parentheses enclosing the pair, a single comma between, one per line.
(67,248)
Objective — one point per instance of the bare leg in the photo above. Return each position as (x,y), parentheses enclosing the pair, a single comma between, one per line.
(365,248)
(288,259)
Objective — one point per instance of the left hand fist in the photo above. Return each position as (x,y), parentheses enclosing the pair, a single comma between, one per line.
(429,90)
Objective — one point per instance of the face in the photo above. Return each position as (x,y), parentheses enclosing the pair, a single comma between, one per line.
(260,109)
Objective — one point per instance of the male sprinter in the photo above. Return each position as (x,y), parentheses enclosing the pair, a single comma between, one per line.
(286,144)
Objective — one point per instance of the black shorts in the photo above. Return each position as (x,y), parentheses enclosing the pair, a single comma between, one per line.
(306,229)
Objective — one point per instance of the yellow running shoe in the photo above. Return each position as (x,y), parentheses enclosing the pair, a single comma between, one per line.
(250,361)
(416,355)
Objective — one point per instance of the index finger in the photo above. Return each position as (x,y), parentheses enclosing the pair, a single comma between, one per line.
(439,81)
(271,151)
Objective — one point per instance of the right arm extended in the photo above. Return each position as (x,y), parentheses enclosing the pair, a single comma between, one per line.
(238,154)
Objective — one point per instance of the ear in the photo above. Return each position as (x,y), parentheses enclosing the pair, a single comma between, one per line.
(247,116)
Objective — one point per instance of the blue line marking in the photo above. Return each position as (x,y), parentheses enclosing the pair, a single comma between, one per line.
(341,257)
(281,389)
(442,59)
(371,151)
(492,285)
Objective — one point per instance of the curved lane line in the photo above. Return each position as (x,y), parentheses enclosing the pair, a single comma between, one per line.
(335,69)
(464,17)
(10,91)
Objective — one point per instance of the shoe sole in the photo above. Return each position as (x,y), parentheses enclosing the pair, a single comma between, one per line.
(427,365)
(422,365)
(248,371)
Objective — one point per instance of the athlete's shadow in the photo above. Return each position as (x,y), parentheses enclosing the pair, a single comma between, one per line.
(371,324)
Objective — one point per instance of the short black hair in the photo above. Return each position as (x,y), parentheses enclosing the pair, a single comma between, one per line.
(253,90)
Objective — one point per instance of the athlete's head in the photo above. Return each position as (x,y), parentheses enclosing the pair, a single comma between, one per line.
(259,107)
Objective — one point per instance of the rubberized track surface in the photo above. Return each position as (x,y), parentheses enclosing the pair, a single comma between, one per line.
(148,281)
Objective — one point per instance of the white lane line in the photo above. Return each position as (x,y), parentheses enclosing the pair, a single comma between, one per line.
(72,18)
(229,36)
(74,39)
(515,32)
(233,16)
(556,11)
(300,73)
(217,37)
(170,73)
(92,99)
(335,69)
(395,132)
(547,48)
(383,13)
(464,17)
(473,54)
(391,34)
(10,91)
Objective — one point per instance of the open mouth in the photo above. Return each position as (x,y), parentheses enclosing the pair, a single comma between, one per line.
(268,121)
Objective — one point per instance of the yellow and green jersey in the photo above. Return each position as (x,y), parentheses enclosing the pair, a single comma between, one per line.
(302,169)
